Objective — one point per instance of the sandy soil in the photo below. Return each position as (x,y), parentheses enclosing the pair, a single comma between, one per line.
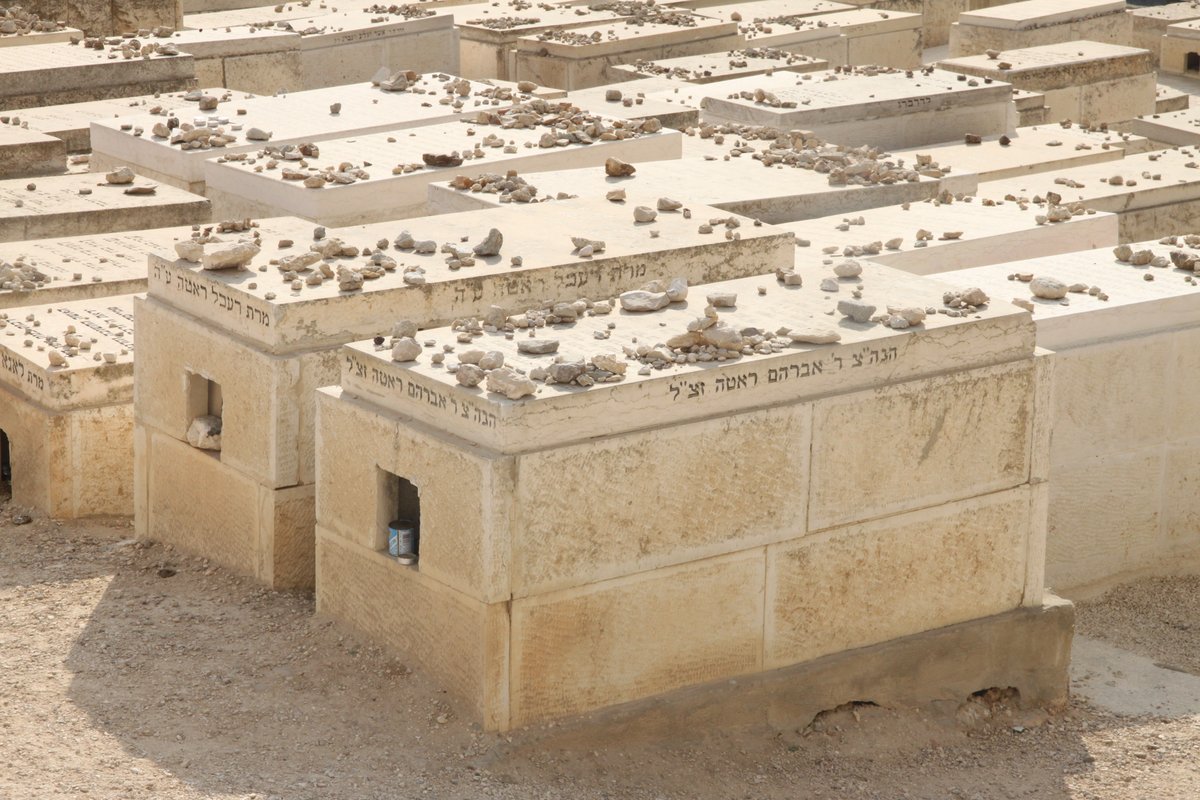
(128,671)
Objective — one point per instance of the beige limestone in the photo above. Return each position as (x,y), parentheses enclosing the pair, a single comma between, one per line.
(25,153)
(1152,23)
(65,73)
(714,67)
(109,18)
(1031,23)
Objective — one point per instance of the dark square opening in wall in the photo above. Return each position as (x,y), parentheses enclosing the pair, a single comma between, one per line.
(399,515)
(5,465)
(1193,62)
(205,406)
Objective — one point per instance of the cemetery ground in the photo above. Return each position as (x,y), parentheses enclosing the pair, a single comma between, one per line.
(128,670)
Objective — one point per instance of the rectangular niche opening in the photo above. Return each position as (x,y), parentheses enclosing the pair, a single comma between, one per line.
(205,406)
(5,466)
(399,518)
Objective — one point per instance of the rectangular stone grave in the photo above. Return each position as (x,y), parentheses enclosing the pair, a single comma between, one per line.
(82,203)
(746,582)
(488,33)
(642,99)
(289,119)
(864,36)
(1179,47)
(109,17)
(62,34)
(953,235)
(65,73)
(25,153)
(397,178)
(246,59)
(1082,81)
(1149,207)
(715,67)
(1170,129)
(741,187)
(71,121)
(1031,108)
(349,46)
(1039,148)
(1168,99)
(1124,453)
(68,422)
(1150,24)
(1032,23)
(885,109)
(579,58)
(206,6)
(265,347)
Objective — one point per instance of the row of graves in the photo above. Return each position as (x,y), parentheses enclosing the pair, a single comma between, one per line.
(749,367)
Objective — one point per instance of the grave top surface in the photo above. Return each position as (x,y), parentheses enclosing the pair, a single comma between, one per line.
(74,116)
(648,97)
(852,22)
(92,344)
(1037,13)
(513,18)
(1186,120)
(693,180)
(300,16)
(1063,55)
(730,64)
(216,42)
(866,355)
(1172,175)
(13,136)
(321,22)
(308,115)
(39,37)
(400,153)
(60,194)
(818,94)
(1133,306)
(1175,12)
(596,40)
(786,11)
(1188,30)
(1032,145)
(949,223)
(64,56)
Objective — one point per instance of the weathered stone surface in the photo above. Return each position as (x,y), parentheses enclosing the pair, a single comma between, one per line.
(205,433)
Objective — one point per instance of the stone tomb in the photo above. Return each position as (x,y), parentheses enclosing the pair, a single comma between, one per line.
(488,33)
(953,235)
(340,47)
(642,99)
(71,121)
(885,109)
(390,177)
(66,420)
(1126,393)
(65,73)
(289,119)
(263,347)
(1032,23)
(1172,129)
(579,58)
(83,203)
(24,152)
(1150,24)
(1083,81)
(715,67)
(740,187)
(246,59)
(1180,49)
(1040,148)
(854,36)
(649,589)
(39,37)
(1154,194)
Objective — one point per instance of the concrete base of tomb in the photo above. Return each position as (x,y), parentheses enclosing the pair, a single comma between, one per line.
(215,511)
(69,464)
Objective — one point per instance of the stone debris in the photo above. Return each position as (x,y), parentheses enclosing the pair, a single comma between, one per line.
(405,349)
(510,383)
(491,244)
(231,255)
(204,432)
(616,168)
(1048,288)
(121,176)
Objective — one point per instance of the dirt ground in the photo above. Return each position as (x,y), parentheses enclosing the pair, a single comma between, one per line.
(128,671)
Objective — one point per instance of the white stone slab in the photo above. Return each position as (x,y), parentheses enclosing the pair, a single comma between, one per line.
(1135,306)
(1174,128)
(56,207)
(738,186)
(866,109)
(1168,99)
(720,66)
(986,235)
(347,46)
(579,58)
(238,189)
(40,37)
(290,118)
(641,99)
(99,375)
(1151,207)
(282,320)
(71,121)
(867,354)
(1040,13)
(1032,149)
(25,152)
(65,73)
